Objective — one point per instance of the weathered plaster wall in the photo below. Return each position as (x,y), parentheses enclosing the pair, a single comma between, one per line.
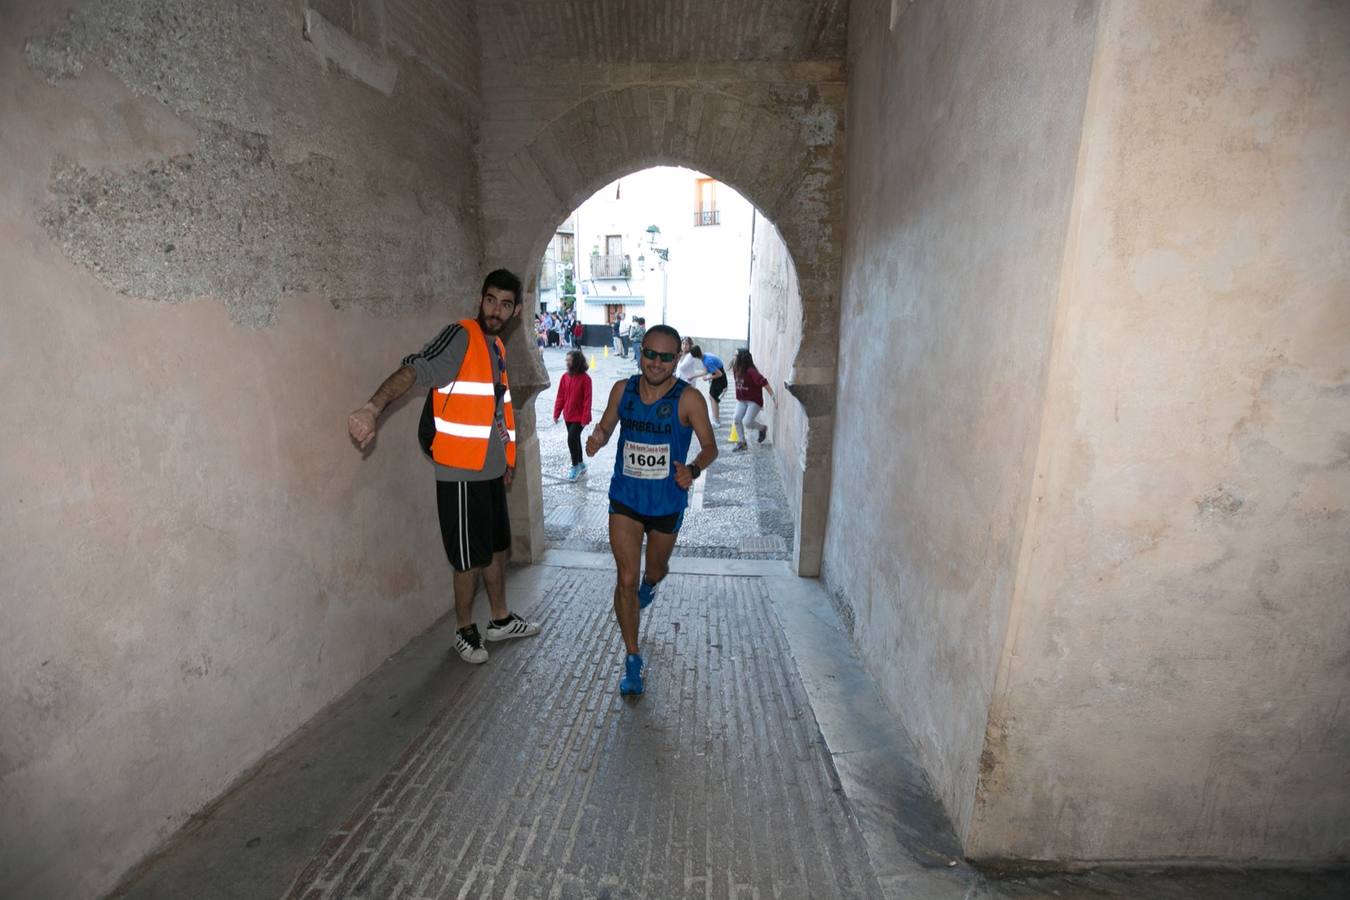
(214,245)
(1177,672)
(697,83)
(964,124)
(775,335)
(272,169)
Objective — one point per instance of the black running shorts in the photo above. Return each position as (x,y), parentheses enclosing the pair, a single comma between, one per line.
(717,387)
(474,521)
(665,524)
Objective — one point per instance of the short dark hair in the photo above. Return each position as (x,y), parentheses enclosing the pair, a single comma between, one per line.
(576,362)
(696,351)
(661,329)
(503,280)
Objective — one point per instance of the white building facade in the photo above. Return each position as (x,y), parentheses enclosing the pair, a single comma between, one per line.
(557,270)
(668,244)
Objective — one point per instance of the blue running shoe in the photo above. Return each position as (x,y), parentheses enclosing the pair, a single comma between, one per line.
(646,593)
(632,675)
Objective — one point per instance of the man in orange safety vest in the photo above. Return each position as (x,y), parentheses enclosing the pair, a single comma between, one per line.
(468,428)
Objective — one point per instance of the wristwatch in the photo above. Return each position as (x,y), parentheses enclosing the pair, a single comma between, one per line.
(694,470)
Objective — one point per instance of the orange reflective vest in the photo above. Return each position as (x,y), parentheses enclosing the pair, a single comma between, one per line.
(465,409)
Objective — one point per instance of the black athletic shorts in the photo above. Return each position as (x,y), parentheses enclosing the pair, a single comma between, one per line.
(665,524)
(474,521)
(717,387)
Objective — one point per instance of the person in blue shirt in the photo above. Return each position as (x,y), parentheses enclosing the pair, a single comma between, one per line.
(656,414)
(717,383)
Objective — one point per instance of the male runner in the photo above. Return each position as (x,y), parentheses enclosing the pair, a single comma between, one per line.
(650,488)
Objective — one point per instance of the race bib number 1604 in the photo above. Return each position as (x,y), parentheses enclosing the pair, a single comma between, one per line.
(647,461)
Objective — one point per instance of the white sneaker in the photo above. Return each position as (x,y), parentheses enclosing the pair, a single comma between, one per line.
(470,646)
(514,627)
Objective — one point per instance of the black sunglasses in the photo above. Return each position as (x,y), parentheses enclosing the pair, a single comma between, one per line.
(649,353)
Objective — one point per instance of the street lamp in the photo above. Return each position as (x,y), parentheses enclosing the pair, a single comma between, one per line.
(662,255)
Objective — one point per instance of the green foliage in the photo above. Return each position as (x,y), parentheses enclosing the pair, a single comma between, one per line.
(567,294)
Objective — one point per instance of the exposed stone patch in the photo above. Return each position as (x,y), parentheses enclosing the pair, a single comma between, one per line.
(1222,502)
(991,778)
(59,55)
(820,125)
(203,59)
(230,220)
(276,198)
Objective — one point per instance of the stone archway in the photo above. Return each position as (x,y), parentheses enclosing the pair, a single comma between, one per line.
(779,147)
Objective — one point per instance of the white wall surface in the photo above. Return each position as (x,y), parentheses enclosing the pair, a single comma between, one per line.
(706,282)
(964,125)
(1176,676)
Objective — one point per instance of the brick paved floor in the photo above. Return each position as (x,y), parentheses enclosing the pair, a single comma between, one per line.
(538,780)
(739,510)
(530,777)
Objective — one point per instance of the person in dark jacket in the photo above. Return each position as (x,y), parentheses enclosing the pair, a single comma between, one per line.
(750,388)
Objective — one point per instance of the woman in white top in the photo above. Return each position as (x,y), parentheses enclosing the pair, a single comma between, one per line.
(690,366)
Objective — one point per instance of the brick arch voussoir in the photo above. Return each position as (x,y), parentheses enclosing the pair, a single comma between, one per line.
(605,136)
(758,152)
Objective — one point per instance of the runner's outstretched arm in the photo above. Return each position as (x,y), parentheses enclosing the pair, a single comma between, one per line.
(694,413)
(600,434)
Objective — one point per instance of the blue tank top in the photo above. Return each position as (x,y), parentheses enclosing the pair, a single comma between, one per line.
(651,441)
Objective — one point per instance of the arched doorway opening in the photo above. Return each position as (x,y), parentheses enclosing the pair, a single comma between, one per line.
(670,246)
(784,164)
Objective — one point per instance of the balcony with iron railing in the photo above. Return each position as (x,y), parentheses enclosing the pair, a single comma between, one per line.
(707,217)
(611,265)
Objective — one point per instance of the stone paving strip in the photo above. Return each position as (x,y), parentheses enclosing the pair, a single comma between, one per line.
(538,780)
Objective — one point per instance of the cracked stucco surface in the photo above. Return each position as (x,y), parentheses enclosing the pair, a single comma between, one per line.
(230,220)
(302,180)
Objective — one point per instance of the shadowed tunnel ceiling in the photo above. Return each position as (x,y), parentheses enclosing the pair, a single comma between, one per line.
(625,31)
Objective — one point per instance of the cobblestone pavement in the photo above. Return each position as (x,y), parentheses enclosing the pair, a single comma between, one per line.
(538,780)
(738,510)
